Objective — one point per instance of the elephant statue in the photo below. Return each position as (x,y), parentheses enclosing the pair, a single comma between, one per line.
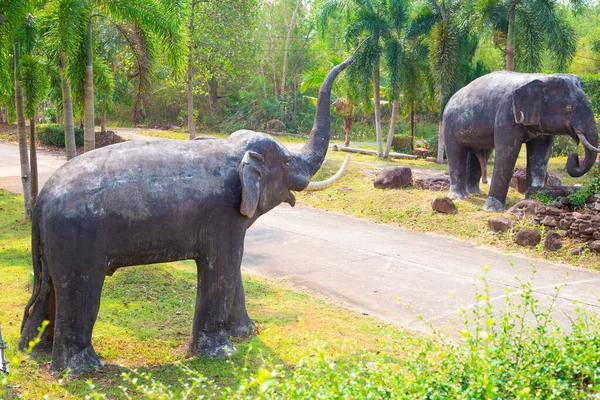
(501,111)
(153,202)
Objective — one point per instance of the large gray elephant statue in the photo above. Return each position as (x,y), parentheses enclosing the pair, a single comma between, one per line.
(503,110)
(152,202)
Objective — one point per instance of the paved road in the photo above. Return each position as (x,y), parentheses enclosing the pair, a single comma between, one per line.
(373,268)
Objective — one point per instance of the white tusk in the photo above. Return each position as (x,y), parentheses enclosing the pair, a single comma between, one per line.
(314,186)
(587,144)
(522,117)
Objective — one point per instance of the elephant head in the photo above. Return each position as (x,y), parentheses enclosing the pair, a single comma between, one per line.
(556,104)
(269,173)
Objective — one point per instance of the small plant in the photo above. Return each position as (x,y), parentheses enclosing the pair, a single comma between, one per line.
(543,197)
(579,199)
(401,144)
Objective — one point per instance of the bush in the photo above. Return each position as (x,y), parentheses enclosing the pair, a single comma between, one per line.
(514,351)
(54,135)
(591,87)
(563,146)
(579,198)
(401,144)
(432,144)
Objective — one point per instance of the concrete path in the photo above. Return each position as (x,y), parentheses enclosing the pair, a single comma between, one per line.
(377,269)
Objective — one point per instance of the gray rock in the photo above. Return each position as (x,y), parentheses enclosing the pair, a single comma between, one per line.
(500,224)
(436,184)
(528,237)
(393,178)
(595,246)
(444,205)
(519,180)
(524,208)
(553,241)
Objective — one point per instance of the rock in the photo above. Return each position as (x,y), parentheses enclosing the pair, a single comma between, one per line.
(444,205)
(344,188)
(575,251)
(553,241)
(436,184)
(524,208)
(528,237)
(519,180)
(393,178)
(422,153)
(595,246)
(549,221)
(500,224)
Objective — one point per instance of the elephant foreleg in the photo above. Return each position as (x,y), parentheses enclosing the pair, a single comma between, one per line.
(538,155)
(239,323)
(508,145)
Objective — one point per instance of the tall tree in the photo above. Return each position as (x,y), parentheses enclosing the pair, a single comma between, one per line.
(190,74)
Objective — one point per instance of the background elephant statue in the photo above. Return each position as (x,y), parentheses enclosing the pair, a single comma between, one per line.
(503,110)
(152,202)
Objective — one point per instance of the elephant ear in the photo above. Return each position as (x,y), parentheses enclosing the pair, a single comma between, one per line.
(527,103)
(251,171)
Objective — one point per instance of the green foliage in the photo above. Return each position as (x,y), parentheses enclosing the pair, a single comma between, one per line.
(54,135)
(502,355)
(401,144)
(432,144)
(591,87)
(563,146)
(543,197)
(579,198)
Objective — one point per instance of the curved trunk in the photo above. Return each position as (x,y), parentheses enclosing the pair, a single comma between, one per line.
(307,162)
(574,168)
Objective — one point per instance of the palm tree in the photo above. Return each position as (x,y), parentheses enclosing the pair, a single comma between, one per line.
(525,29)
(365,18)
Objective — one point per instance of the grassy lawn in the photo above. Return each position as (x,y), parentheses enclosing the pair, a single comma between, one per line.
(410,208)
(146,317)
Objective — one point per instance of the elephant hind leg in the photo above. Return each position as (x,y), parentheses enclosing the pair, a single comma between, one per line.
(474,173)
(42,308)
(78,291)
(457,166)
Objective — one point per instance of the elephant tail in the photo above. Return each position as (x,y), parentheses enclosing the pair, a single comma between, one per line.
(42,283)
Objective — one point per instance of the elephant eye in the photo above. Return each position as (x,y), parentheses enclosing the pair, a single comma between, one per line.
(569,108)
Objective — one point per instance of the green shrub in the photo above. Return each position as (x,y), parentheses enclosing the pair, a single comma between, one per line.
(512,351)
(401,144)
(563,146)
(591,86)
(432,144)
(579,199)
(54,135)
(543,197)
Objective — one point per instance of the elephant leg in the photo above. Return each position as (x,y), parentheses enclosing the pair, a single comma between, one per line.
(239,323)
(473,173)
(217,280)
(508,145)
(78,291)
(457,167)
(538,155)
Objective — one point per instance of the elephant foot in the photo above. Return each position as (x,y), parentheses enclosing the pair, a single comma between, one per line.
(492,204)
(212,344)
(474,191)
(80,363)
(243,328)
(458,195)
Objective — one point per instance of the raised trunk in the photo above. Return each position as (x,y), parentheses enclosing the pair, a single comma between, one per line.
(33,163)
(89,136)
(412,130)
(377,108)
(306,163)
(393,123)
(24,158)
(510,36)
(190,78)
(69,123)
(573,165)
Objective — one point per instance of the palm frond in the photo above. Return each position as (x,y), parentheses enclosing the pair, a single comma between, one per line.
(33,84)
(443,53)
(528,41)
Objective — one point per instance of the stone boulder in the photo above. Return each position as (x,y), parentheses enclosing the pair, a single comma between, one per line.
(444,205)
(500,224)
(519,180)
(393,178)
(595,246)
(524,208)
(553,241)
(435,184)
(528,237)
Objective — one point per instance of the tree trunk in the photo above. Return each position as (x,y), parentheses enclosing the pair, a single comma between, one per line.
(377,106)
(213,89)
(393,123)
(33,163)
(441,143)
(25,172)
(290,27)
(510,37)
(190,78)
(89,136)
(103,117)
(348,122)
(69,123)
(412,130)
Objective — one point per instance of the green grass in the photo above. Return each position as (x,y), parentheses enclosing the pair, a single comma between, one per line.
(146,316)
(411,208)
